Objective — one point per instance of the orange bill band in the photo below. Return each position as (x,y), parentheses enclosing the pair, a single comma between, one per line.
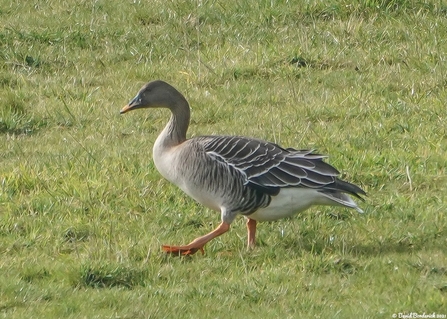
(125,109)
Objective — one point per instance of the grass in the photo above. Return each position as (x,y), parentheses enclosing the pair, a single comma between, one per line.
(84,211)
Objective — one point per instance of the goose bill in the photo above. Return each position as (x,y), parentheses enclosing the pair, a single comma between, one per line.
(125,109)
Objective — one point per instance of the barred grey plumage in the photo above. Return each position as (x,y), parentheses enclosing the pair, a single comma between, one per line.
(238,175)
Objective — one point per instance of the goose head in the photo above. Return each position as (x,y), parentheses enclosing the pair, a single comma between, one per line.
(154,95)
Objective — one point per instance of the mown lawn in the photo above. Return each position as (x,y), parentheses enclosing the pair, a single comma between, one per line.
(83,211)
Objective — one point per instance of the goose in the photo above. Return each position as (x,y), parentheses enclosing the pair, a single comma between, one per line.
(238,175)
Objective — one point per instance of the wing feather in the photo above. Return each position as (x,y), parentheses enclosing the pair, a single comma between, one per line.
(269,167)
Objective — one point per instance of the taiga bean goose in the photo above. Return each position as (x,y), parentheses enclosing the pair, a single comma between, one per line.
(238,175)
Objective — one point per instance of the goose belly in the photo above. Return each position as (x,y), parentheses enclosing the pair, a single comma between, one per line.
(204,197)
(288,202)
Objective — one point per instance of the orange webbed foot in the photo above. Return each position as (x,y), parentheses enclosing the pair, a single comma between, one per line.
(197,244)
(181,250)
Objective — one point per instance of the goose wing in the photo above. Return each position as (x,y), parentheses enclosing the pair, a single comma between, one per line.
(269,167)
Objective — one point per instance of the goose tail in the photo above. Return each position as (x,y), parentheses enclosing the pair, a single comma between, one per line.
(338,192)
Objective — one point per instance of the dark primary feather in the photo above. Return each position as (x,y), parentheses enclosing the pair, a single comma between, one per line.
(269,167)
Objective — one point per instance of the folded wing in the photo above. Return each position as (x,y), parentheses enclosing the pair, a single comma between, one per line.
(269,167)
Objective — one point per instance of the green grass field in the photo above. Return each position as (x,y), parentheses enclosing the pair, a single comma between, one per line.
(83,211)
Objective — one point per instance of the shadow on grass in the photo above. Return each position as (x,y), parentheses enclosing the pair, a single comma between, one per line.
(108,276)
(393,246)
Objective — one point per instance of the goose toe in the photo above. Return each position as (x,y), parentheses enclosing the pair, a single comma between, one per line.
(181,250)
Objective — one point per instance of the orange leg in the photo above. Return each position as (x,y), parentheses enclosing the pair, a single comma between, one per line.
(198,243)
(251,227)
